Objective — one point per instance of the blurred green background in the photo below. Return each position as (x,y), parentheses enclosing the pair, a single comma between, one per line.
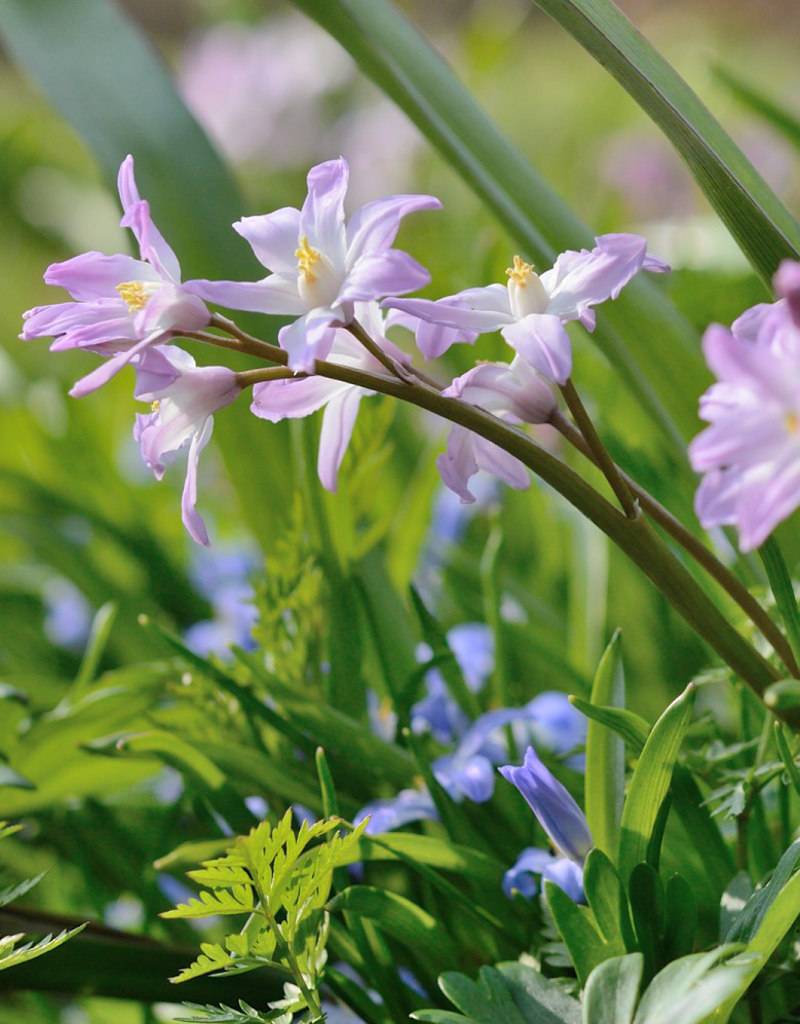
(81,521)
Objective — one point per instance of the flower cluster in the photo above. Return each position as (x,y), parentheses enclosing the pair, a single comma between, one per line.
(750,452)
(335,277)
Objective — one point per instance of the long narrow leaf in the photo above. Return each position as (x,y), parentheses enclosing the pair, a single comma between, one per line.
(764,230)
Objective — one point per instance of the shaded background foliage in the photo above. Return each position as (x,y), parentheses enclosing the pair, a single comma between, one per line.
(78,512)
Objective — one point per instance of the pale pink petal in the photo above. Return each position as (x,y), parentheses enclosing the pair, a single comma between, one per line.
(136,216)
(338,421)
(542,342)
(105,335)
(158,367)
(274,294)
(275,400)
(93,275)
(471,312)
(391,272)
(495,460)
(374,227)
(766,502)
(103,374)
(457,464)
(748,326)
(50,321)
(716,498)
(322,216)
(192,519)
(172,308)
(274,238)
(579,280)
(309,338)
(787,285)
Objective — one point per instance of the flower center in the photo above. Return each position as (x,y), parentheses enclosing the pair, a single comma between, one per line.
(793,423)
(134,294)
(526,293)
(521,272)
(307,258)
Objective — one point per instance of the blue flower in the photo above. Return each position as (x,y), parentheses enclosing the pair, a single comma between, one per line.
(223,577)
(556,725)
(68,615)
(472,645)
(385,815)
(382,717)
(556,811)
(533,863)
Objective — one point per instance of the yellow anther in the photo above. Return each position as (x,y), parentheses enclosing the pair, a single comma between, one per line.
(155,406)
(133,294)
(521,272)
(307,259)
(793,423)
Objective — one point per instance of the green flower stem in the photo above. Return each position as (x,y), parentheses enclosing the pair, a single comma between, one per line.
(374,349)
(712,565)
(632,534)
(782,588)
(599,451)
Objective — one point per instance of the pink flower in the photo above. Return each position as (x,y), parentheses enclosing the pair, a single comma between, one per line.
(122,305)
(290,399)
(323,265)
(750,453)
(184,398)
(515,393)
(530,311)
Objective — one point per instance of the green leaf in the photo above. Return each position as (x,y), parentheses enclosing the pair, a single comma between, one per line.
(631,727)
(680,913)
(651,781)
(510,993)
(604,895)
(612,990)
(764,230)
(401,62)
(604,781)
(647,910)
(409,924)
(690,989)
(758,102)
(102,624)
(789,763)
(751,918)
(579,930)
(540,1000)
(12,954)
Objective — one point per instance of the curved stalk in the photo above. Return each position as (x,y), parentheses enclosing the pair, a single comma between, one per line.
(701,554)
(634,536)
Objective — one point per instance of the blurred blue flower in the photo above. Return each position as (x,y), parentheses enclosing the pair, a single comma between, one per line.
(385,815)
(472,645)
(382,717)
(533,863)
(223,577)
(303,814)
(257,806)
(556,811)
(68,615)
(469,770)
(555,725)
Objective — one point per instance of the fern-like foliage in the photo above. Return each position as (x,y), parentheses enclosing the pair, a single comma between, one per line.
(281,880)
(11,952)
(228,1015)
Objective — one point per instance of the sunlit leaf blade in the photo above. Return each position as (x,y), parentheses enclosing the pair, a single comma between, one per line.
(605,754)
(651,781)
(764,230)
(401,62)
(13,955)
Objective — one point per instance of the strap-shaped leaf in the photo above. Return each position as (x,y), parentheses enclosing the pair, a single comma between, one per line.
(604,782)
(651,781)
(763,228)
(650,343)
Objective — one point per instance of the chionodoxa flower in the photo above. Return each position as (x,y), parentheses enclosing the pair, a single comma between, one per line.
(530,310)
(750,452)
(122,306)
(562,820)
(322,265)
